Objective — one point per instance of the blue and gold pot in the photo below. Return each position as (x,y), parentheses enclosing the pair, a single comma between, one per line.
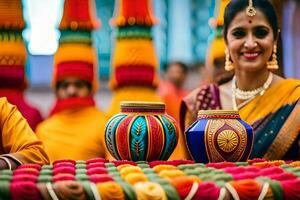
(219,135)
(141,131)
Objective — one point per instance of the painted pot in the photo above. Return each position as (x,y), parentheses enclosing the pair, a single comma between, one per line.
(219,135)
(141,131)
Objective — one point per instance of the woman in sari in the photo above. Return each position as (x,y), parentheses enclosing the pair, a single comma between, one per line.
(268,102)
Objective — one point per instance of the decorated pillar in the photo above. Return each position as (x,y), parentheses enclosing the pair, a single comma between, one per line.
(215,58)
(134,65)
(76,54)
(13,56)
(12,51)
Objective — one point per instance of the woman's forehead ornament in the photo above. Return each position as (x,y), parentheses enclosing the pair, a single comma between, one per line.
(250,11)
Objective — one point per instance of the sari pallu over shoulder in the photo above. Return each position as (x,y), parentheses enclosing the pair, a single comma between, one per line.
(275,118)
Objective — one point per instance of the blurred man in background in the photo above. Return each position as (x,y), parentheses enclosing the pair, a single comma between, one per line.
(171,89)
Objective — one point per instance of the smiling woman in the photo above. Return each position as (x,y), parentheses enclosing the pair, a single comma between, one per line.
(251,33)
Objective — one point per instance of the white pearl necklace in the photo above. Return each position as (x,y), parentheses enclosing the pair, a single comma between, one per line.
(250,94)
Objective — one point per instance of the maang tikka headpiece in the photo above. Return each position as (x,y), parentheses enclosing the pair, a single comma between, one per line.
(250,11)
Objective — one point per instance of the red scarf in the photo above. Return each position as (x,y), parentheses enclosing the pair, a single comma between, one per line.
(72,103)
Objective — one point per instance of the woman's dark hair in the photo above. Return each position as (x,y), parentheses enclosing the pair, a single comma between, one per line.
(264,6)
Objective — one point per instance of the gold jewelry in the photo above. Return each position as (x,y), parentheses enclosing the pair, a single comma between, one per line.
(273,64)
(228,64)
(248,95)
(250,11)
(244,95)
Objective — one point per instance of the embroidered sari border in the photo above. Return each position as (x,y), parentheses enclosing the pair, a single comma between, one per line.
(286,135)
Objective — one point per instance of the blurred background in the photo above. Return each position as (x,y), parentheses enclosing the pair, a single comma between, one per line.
(182,34)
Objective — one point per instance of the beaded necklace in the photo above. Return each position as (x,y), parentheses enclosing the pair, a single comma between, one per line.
(248,95)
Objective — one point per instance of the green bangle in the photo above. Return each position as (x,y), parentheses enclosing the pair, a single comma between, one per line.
(80,166)
(114,174)
(222,177)
(82,177)
(80,162)
(276,189)
(6,172)
(153,177)
(207,176)
(190,166)
(141,162)
(161,181)
(275,186)
(143,166)
(148,171)
(191,172)
(128,190)
(108,164)
(44,179)
(170,191)
(219,171)
(5,177)
(112,169)
(46,172)
(47,167)
(204,170)
(81,171)
(220,183)
(241,163)
(5,190)
(88,190)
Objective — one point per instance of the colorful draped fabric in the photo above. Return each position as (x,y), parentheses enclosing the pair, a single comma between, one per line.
(18,141)
(274,116)
(75,133)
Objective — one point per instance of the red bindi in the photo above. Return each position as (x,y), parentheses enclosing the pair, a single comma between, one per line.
(250,21)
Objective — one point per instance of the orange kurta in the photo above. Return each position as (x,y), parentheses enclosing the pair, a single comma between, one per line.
(18,141)
(74,134)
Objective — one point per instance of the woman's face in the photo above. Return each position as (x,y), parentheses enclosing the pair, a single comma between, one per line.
(250,41)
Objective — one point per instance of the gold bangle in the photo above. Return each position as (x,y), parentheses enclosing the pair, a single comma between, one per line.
(51,191)
(6,160)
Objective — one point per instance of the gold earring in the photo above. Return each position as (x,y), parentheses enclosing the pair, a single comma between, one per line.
(273,64)
(228,64)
